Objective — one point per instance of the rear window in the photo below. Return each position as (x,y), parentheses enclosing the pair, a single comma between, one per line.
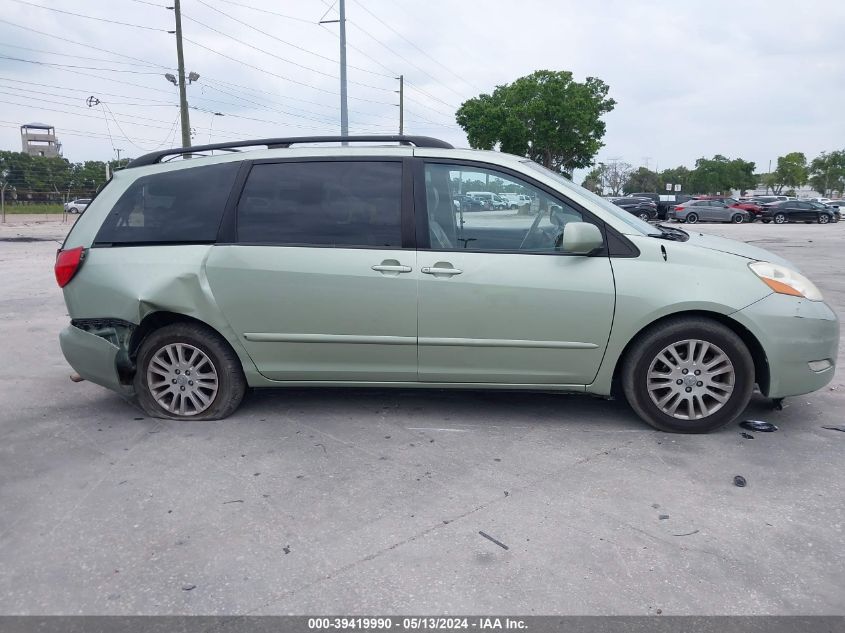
(339,203)
(179,206)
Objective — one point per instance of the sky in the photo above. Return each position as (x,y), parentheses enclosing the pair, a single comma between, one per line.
(746,78)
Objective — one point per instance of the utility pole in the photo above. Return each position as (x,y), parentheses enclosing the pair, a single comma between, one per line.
(183,96)
(344,114)
(118,150)
(401,105)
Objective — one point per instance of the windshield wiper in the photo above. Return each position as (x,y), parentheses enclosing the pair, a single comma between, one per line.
(670,233)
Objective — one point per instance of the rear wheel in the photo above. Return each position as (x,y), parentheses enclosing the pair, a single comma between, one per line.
(779,218)
(644,215)
(73,210)
(737,218)
(824,218)
(691,218)
(186,371)
(690,375)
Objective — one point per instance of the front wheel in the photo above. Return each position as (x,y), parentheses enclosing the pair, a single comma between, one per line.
(692,218)
(689,375)
(73,210)
(186,371)
(780,218)
(737,218)
(823,218)
(645,217)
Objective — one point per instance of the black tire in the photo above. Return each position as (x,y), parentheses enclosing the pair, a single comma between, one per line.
(651,343)
(765,220)
(824,218)
(231,384)
(737,218)
(691,218)
(780,218)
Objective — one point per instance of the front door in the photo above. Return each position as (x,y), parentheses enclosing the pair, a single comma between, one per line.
(318,286)
(498,302)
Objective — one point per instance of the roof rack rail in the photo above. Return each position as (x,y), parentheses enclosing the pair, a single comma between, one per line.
(273,143)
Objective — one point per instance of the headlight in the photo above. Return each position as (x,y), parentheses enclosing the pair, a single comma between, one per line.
(786,281)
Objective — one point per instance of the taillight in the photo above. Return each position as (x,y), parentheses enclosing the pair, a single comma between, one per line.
(67,263)
(679,208)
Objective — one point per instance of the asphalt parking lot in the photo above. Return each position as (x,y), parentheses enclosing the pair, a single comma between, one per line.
(371,501)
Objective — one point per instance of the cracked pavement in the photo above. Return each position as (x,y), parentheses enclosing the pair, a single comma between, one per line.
(371,501)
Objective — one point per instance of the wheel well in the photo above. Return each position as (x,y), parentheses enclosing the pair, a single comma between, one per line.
(149,324)
(761,363)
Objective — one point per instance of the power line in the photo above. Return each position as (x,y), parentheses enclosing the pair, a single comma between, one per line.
(66,40)
(52,64)
(267,72)
(284,59)
(63,54)
(89,17)
(446,68)
(305,50)
(280,15)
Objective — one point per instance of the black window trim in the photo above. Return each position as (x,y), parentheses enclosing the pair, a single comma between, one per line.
(228,234)
(619,246)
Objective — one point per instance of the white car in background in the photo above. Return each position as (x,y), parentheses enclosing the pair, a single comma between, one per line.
(77,206)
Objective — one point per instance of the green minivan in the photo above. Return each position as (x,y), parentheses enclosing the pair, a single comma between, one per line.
(304,262)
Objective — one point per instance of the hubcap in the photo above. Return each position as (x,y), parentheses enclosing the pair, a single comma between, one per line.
(691,379)
(182,379)
(779,219)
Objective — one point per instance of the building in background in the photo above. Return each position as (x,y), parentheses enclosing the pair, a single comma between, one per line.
(39,139)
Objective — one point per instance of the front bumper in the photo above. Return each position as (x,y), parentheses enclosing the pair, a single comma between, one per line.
(793,332)
(93,357)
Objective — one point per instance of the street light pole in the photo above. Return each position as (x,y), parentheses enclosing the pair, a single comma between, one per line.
(344,114)
(183,96)
(401,105)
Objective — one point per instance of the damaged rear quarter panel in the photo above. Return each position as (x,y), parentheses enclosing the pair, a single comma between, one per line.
(132,282)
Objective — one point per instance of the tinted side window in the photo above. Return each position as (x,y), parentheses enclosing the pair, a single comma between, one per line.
(355,203)
(185,205)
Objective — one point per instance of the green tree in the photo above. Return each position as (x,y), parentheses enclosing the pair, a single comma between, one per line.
(594,180)
(642,180)
(791,171)
(675,176)
(827,173)
(720,175)
(545,116)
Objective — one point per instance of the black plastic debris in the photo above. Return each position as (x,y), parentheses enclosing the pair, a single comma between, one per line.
(188,587)
(758,425)
(835,428)
(663,517)
(739,481)
(492,540)
(233,501)
(286,549)
(747,436)
(687,533)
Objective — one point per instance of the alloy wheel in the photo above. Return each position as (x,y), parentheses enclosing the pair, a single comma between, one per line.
(691,379)
(182,379)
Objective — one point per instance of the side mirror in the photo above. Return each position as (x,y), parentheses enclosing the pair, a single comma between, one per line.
(581,238)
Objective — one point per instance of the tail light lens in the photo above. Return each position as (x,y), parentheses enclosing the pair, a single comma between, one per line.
(679,208)
(67,263)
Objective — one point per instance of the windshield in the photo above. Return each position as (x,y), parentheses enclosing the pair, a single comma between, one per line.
(631,220)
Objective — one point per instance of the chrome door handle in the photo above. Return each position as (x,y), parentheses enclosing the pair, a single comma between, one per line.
(437,270)
(392,268)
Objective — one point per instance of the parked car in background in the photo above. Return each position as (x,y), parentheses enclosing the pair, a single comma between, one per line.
(822,200)
(665,203)
(754,209)
(820,205)
(643,208)
(467,203)
(77,206)
(489,200)
(516,200)
(709,211)
(797,211)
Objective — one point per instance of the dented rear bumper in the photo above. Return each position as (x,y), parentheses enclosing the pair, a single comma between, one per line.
(98,355)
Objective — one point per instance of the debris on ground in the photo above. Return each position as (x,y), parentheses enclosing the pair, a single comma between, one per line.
(188,587)
(286,549)
(491,539)
(663,517)
(758,425)
(747,436)
(739,481)
(233,501)
(835,428)
(687,533)
(506,493)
